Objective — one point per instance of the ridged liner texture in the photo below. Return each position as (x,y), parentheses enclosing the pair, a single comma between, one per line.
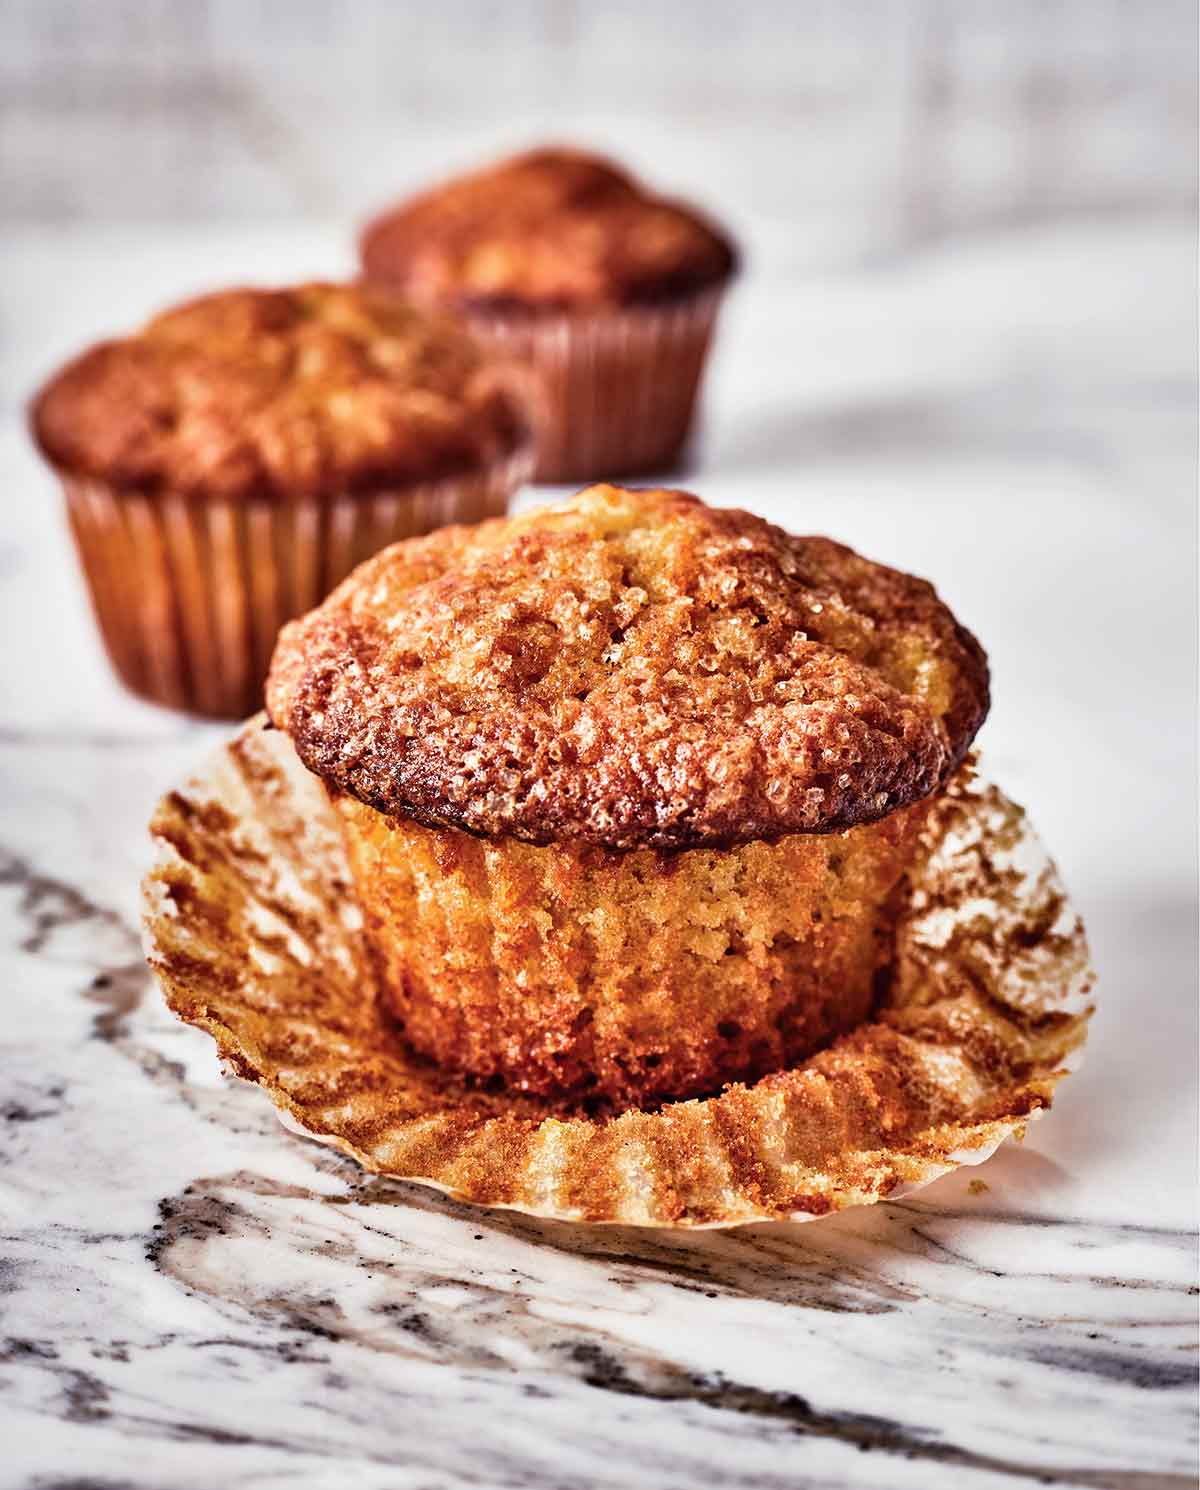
(189,592)
(615,390)
(252,930)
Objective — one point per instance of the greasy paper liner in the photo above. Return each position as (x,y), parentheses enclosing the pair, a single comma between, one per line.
(616,389)
(189,593)
(252,929)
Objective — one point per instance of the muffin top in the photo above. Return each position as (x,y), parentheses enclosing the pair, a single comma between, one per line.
(632,669)
(306,391)
(552,229)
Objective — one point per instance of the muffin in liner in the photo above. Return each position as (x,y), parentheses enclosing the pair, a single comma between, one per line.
(605,290)
(189,592)
(255,936)
(229,463)
(616,390)
(629,785)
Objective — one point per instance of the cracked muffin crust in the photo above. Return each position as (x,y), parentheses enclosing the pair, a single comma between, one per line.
(313,390)
(551,229)
(631,670)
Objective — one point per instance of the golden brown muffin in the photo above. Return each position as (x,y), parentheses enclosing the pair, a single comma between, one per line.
(628,784)
(553,229)
(606,291)
(319,389)
(228,465)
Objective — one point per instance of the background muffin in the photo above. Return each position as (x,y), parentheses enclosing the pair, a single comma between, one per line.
(628,785)
(226,466)
(608,291)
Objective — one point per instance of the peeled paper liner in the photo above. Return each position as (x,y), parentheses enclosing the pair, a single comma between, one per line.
(254,934)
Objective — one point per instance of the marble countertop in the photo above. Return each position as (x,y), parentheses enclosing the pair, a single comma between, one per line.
(191,1296)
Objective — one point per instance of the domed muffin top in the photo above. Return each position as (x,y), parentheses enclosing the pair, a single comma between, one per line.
(632,669)
(305,391)
(552,229)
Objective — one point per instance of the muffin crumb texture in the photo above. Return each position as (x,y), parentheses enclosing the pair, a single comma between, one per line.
(553,229)
(611,980)
(633,670)
(308,391)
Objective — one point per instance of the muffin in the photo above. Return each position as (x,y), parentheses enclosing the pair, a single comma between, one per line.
(608,292)
(628,786)
(225,467)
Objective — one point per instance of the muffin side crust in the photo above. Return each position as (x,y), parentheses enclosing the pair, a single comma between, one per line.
(553,229)
(313,390)
(611,980)
(631,670)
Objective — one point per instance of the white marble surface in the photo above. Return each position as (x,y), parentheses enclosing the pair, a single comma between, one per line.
(190,1296)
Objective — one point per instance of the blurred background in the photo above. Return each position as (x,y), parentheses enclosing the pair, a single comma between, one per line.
(965,343)
(857,129)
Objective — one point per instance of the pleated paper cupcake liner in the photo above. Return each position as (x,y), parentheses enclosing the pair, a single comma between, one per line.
(617,389)
(189,593)
(253,932)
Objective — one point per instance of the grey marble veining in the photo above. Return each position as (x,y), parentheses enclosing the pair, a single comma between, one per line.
(191,1296)
(237,1290)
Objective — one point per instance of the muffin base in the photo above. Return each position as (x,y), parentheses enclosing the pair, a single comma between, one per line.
(189,594)
(624,979)
(616,390)
(255,937)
